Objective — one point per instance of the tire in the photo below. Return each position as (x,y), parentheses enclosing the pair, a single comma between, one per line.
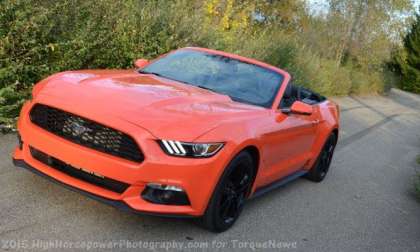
(230,194)
(322,165)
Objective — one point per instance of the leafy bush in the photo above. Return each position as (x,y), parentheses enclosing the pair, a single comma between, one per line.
(408,59)
(40,37)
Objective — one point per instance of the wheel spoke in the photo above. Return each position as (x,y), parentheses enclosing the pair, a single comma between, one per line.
(224,204)
(240,201)
(326,157)
(234,193)
(225,210)
(244,187)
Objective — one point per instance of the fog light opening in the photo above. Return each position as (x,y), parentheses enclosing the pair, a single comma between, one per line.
(165,194)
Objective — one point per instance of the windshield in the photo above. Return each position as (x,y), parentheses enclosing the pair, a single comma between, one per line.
(241,81)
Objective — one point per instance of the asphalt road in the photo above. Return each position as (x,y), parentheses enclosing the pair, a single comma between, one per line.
(366,202)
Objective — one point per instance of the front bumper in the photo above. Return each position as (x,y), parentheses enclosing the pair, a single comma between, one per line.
(115,203)
(197,177)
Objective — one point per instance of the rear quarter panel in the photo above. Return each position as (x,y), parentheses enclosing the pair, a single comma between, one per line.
(329,120)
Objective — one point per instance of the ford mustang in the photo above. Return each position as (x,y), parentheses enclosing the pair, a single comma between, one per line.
(193,133)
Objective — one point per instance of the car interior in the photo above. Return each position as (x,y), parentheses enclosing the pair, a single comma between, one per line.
(297,93)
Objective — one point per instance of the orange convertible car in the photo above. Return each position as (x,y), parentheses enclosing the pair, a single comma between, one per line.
(193,133)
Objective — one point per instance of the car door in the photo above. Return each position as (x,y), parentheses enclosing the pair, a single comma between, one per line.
(288,142)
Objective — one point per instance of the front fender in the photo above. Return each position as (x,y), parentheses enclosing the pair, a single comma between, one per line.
(237,137)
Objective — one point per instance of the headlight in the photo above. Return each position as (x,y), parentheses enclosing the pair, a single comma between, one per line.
(182,149)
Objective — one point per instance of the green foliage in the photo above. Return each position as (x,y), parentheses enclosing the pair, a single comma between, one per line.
(10,103)
(38,38)
(41,37)
(307,68)
(408,59)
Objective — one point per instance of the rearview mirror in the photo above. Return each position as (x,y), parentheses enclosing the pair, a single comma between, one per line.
(300,108)
(140,63)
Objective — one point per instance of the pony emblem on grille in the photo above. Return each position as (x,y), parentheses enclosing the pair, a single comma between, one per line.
(78,129)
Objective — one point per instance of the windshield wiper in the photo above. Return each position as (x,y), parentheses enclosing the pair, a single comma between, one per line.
(158,74)
(146,72)
(215,91)
(207,88)
(163,76)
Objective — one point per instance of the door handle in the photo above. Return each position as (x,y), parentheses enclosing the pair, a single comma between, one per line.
(315,122)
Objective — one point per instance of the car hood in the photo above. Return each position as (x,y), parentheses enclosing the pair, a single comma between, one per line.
(166,108)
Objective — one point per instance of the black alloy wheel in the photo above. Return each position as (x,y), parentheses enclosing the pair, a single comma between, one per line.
(234,193)
(323,163)
(230,194)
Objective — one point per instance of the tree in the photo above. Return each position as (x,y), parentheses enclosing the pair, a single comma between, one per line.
(409,60)
(362,32)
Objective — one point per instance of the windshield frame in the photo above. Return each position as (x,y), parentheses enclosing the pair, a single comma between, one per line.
(284,77)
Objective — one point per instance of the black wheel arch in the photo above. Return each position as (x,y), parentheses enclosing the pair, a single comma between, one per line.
(335,131)
(256,158)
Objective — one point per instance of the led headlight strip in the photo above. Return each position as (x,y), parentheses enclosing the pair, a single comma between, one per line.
(177,148)
(174,147)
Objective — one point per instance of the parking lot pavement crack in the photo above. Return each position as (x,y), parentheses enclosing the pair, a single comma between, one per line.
(352,108)
(356,136)
(364,104)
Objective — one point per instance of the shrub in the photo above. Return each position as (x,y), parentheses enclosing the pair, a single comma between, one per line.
(408,60)
(40,37)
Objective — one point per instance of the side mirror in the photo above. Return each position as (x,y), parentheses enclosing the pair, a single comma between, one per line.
(300,108)
(140,63)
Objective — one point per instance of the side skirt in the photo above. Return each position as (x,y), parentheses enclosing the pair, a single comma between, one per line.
(278,183)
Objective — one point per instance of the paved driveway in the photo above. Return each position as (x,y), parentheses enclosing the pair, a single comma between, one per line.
(366,202)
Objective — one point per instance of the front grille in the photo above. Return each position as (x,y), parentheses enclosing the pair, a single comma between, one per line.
(98,180)
(86,132)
